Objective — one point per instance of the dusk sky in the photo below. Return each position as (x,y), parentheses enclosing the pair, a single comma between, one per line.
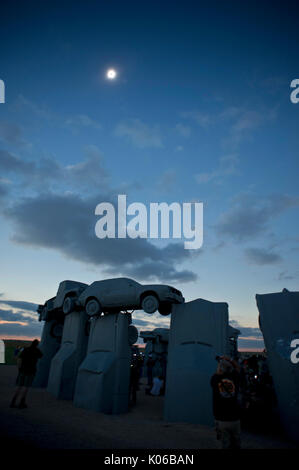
(199,111)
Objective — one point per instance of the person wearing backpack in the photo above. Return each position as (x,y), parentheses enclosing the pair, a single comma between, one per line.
(26,361)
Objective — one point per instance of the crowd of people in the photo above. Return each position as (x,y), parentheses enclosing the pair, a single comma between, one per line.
(155,383)
(257,396)
(243,395)
(242,390)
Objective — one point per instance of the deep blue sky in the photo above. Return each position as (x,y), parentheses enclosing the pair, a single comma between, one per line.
(200,111)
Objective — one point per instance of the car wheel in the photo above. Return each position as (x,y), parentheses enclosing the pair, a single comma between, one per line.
(165,309)
(150,304)
(93,307)
(68,305)
(56,330)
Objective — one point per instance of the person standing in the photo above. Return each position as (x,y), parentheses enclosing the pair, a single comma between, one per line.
(27,361)
(157,386)
(150,365)
(134,381)
(226,409)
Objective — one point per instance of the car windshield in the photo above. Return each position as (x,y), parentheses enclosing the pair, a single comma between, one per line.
(117,281)
(66,285)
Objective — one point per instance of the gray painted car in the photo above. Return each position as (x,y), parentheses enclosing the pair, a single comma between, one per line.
(113,295)
(67,295)
(45,310)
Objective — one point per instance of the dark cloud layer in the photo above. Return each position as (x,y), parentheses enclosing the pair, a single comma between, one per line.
(262,256)
(48,172)
(58,217)
(3,189)
(67,223)
(20,304)
(20,322)
(250,217)
(16,330)
(11,133)
(250,337)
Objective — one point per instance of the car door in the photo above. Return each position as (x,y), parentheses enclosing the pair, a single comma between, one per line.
(122,293)
(102,290)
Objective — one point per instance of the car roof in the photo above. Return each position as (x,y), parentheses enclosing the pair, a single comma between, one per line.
(71,284)
(117,279)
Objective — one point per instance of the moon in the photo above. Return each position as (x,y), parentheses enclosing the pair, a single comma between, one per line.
(111,74)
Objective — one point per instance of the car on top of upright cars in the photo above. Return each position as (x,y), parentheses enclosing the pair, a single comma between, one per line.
(114,295)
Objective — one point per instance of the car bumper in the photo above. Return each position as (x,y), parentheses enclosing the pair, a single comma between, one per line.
(175,299)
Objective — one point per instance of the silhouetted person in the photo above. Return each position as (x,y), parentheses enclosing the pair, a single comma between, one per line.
(149,365)
(27,361)
(225,385)
(157,386)
(134,381)
(17,351)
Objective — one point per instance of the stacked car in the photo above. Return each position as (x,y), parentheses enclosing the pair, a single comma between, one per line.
(110,296)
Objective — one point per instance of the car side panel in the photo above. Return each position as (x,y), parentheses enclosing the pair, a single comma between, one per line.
(113,293)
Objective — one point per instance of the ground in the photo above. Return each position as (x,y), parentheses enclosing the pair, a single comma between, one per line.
(49,423)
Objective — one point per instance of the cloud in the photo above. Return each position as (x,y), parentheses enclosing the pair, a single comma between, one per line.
(29,306)
(182,130)
(227,166)
(11,133)
(145,322)
(250,217)
(250,337)
(66,223)
(238,121)
(284,276)
(247,120)
(140,322)
(20,322)
(4,189)
(156,270)
(251,344)
(87,173)
(82,120)
(139,134)
(14,329)
(261,256)
(40,111)
(273,85)
(202,119)
(11,316)
(246,330)
(34,218)
(167,180)
(74,122)
(229,113)
(243,121)
(10,163)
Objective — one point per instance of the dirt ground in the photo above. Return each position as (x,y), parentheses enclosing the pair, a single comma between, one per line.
(49,423)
